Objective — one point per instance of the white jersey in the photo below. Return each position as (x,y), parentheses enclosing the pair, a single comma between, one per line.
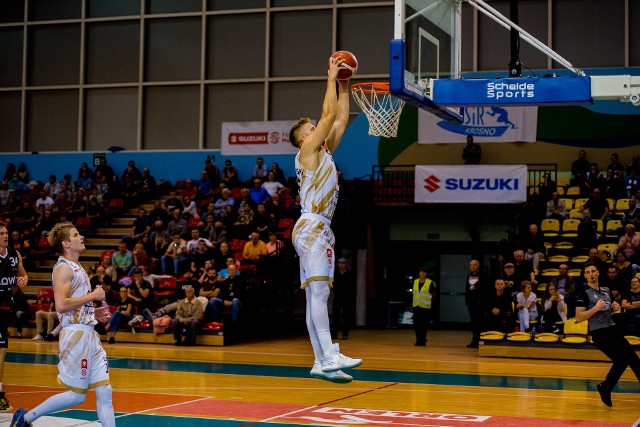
(318,188)
(80,286)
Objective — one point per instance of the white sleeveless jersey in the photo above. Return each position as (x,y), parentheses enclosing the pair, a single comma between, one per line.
(80,286)
(318,188)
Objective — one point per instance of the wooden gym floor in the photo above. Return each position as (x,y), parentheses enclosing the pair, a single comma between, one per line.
(266,382)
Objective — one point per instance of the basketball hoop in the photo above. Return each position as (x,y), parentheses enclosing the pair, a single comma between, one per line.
(381,108)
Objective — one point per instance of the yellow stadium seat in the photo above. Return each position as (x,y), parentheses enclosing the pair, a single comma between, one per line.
(622,205)
(612,228)
(573,191)
(575,333)
(550,227)
(570,227)
(575,214)
(568,203)
(580,203)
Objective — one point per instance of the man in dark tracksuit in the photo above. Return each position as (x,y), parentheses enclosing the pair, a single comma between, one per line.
(596,306)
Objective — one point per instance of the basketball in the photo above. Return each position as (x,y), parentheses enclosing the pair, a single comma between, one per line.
(349,64)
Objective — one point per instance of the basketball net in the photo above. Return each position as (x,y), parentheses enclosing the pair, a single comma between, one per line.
(381,108)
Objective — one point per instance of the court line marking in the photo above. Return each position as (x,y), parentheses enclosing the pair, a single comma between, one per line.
(637,423)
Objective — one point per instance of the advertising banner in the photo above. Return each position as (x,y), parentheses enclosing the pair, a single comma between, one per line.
(485,124)
(256,138)
(471,184)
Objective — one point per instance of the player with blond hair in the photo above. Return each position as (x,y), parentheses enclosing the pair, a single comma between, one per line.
(83,361)
(312,235)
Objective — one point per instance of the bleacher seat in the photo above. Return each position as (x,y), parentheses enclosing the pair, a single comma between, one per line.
(622,205)
(572,191)
(570,228)
(550,227)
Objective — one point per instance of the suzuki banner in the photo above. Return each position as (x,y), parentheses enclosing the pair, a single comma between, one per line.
(485,124)
(257,138)
(471,184)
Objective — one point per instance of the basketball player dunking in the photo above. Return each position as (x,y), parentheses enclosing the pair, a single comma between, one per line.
(312,235)
(83,361)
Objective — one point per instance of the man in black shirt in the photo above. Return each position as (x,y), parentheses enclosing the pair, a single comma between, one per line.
(595,305)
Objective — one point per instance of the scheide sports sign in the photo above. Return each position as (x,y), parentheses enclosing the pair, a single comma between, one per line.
(471,184)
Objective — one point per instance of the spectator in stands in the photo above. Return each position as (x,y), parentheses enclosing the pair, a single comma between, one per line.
(630,243)
(44,200)
(103,279)
(158,213)
(632,216)
(344,300)
(552,309)
(476,290)
(104,169)
(497,309)
(52,187)
(594,258)
(148,185)
(274,246)
(613,186)
(631,306)
(204,186)
(209,213)
(257,193)
(50,316)
(243,221)
(615,283)
(122,259)
(208,282)
(218,234)
(260,170)
(20,309)
(579,168)
(510,279)
(616,167)
(62,204)
(229,293)
(176,257)
(140,259)
(10,172)
(272,186)
(592,180)
(140,291)
(279,173)
(230,175)
(84,180)
(223,273)
(141,226)
(524,268)
(563,283)
(188,319)
(12,205)
(177,223)
(123,313)
(26,216)
(623,265)
(295,209)
(220,204)
(262,222)
(192,245)
(471,152)
(587,231)
(84,168)
(534,247)
(229,220)
(526,305)
(160,240)
(173,202)
(69,185)
(276,208)
(631,184)
(254,250)
(4,195)
(634,165)
(220,257)
(109,268)
(190,209)
(598,205)
(556,208)
(95,213)
(213,173)
(200,255)
(78,205)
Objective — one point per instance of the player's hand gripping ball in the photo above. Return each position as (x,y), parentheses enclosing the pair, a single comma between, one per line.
(349,65)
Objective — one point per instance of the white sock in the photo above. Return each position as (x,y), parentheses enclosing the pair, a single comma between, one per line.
(320,315)
(105,406)
(54,404)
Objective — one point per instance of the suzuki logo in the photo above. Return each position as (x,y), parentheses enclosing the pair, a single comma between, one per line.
(432,183)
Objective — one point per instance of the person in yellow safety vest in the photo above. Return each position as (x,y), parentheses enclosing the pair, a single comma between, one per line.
(423,290)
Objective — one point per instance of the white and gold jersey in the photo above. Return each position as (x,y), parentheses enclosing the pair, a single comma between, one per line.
(318,188)
(80,286)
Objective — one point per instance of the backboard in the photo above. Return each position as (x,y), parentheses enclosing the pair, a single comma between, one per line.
(426,46)
(424,67)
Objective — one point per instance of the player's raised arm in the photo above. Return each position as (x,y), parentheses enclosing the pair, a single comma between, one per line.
(342,116)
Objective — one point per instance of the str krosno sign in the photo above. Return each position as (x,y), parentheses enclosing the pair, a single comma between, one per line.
(471,184)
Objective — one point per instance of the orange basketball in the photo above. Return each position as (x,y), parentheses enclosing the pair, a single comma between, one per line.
(349,64)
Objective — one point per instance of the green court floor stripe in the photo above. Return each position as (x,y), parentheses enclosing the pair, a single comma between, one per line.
(470,380)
